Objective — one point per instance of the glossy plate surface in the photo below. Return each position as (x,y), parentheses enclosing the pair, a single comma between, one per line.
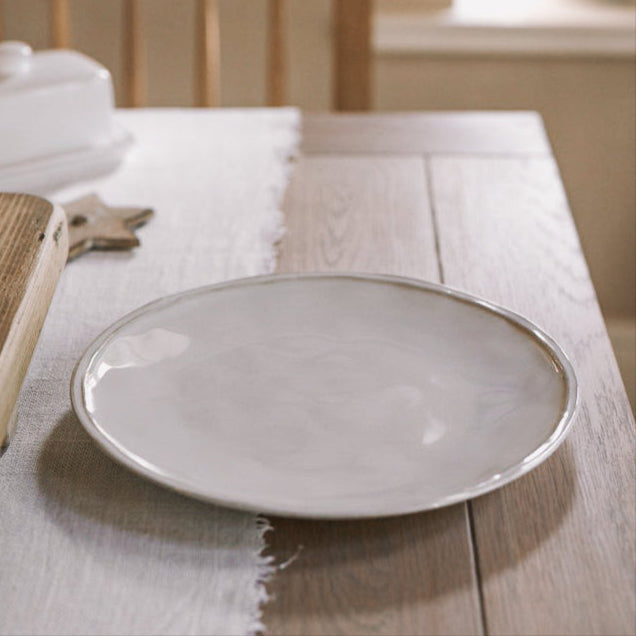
(326,395)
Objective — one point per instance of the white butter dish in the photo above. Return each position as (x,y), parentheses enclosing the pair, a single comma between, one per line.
(56,119)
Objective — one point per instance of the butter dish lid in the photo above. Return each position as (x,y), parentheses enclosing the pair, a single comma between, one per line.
(22,69)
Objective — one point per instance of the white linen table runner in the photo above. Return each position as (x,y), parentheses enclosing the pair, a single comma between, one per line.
(87,547)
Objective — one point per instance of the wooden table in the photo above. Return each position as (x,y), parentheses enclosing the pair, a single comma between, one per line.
(473,201)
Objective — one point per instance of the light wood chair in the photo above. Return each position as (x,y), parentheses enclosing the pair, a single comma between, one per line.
(351,51)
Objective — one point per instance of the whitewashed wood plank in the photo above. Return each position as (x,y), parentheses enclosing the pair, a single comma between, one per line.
(403,575)
(556,548)
(487,133)
(360,213)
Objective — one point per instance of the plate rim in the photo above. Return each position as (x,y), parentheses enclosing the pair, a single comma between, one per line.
(141,467)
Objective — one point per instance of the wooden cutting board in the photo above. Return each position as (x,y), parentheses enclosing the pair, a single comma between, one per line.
(36,239)
(33,251)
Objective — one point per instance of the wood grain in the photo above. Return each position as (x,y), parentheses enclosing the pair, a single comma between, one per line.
(33,250)
(208,54)
(135,68)
(556,548)
(404,575)
(60,21)
(490,133)
(395,576)
(352,54)
(364,214)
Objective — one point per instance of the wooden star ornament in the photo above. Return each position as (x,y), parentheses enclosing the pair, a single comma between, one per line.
(94,225)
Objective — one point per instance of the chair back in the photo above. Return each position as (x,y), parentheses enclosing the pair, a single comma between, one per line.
(351,55)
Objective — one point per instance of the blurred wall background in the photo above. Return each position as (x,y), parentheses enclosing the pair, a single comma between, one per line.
(571,60)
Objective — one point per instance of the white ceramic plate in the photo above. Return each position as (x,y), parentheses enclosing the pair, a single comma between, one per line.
(326,395)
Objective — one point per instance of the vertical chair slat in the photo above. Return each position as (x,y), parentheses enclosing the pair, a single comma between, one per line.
(1,22)
(276,67)
(207,54)
(134,55)
(60,24)
(352,54)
